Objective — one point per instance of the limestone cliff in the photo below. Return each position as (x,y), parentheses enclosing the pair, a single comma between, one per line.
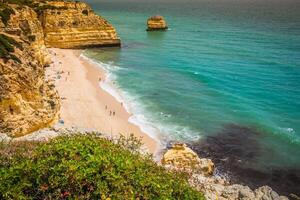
(75,25)
(27,101)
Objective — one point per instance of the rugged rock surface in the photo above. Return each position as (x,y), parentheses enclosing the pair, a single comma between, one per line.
(27,101)
(75,25)
(156,23)
(181,157)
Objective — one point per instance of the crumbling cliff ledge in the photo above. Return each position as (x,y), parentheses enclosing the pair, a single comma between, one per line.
(75,25)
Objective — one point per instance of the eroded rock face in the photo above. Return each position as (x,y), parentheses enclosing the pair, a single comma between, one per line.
(156,23)
(27,101)
(75,25)
(183,158)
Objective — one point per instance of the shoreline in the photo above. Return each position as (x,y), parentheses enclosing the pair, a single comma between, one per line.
(84,104)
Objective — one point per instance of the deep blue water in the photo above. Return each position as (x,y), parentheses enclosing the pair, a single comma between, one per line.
(221,63)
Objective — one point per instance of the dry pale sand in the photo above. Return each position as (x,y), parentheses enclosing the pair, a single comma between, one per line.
(84,104)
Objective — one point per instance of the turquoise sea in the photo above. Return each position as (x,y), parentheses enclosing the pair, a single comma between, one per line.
(222,65)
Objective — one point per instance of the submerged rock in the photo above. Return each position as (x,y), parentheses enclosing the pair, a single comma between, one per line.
(183,158)
(156,23)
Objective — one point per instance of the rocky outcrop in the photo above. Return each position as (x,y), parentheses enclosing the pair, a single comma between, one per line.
(27,101)
(156,23)
(75,25)
(217,188)
(181,157)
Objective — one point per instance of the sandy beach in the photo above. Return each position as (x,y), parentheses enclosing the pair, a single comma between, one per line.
(84,104)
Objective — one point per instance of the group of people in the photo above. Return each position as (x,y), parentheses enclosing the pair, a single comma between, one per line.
(111,113)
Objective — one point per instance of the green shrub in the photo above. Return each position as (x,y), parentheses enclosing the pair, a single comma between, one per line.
(5,14)
(15,58)
(7,45)
(86,167)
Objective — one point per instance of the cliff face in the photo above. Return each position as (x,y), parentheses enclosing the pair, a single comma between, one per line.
(75,25)
(27,101)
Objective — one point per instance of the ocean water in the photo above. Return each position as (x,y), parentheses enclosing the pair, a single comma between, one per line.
(222,64)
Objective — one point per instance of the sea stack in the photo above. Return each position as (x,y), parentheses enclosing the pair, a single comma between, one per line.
(156,23)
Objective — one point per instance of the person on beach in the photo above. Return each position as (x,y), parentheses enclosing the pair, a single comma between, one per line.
(105,107)
(100,79)
(114,113)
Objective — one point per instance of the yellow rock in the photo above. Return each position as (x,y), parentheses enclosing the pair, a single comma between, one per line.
(27,101)
(183,158)
(75,25)
(156,23)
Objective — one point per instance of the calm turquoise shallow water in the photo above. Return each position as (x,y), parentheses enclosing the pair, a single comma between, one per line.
(220,63)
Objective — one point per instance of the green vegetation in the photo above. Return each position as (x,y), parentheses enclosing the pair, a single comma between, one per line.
(7,45)
(5,12)
(86,167)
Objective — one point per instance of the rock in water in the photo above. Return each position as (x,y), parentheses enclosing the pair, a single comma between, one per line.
(183,158)
(75,25)
(156,23)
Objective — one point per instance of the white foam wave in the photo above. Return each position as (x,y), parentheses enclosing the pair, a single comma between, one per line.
(148,123)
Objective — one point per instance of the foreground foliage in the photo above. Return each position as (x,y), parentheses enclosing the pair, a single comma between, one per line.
(86,167)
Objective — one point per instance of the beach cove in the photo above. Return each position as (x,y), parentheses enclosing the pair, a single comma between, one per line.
(84,104)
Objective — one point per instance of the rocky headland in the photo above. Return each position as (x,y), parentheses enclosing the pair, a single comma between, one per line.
(75,25)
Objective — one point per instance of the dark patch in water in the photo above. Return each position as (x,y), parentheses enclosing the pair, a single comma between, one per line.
(234,151)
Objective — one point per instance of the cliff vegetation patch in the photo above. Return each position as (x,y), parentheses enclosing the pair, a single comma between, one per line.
(7,47)
(86,167)
(5,12)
